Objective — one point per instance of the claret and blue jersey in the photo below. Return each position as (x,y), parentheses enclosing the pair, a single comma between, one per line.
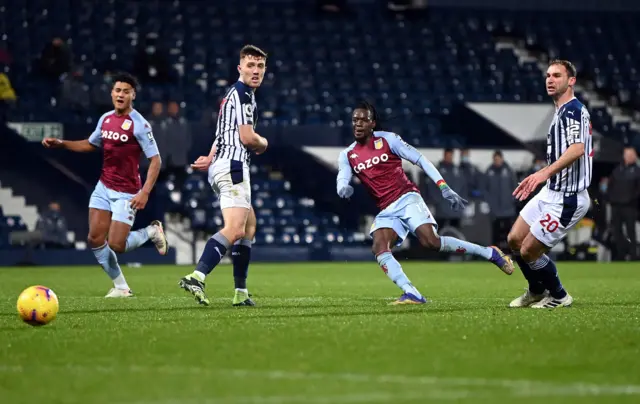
(378,164)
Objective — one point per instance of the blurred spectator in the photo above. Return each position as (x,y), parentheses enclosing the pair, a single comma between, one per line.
(598,211)
(7,93)
(472,175)
(55,59)
(500,181)
(157,120)
(179,141)
(101,94)
(53,227)
(5,57)
(75,92)
(7,96)
(623,194)
(157,114)
(151,64)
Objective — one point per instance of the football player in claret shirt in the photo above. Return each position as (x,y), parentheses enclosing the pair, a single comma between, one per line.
(124,135)
(376,159)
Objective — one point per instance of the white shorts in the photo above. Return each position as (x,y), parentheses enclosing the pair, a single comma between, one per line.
(403,216)
(551,214)
(229,179)
(118,203)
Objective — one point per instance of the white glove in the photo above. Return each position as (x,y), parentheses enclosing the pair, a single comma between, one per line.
(345,192)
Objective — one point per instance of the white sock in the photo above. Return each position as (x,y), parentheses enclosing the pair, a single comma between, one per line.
(152,231)
(394,271)
(199,276)
(242,290)
(120,283)
(454,245)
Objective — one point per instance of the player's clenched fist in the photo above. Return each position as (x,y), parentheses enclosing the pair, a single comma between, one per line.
(51,143)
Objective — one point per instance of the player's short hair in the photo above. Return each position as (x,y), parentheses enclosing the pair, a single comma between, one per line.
(252,50)
(125,78)
(498,153)
(374,113)
(448,150)
(571,69)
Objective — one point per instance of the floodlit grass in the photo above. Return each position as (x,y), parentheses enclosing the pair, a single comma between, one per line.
(323,333)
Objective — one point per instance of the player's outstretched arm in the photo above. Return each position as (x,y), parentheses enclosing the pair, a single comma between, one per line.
(344,176)
(529,184)
(79,146)
(410,153)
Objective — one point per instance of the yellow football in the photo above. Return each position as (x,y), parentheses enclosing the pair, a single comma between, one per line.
(37,305)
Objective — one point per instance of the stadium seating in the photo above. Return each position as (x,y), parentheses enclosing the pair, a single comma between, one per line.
(319,67)
(9,224)
(603,46)
(282,218)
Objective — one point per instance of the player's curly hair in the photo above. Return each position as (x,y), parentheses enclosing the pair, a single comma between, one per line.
(374,113)
(124,77)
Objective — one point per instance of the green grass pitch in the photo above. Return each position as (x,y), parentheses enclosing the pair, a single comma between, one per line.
(323,333)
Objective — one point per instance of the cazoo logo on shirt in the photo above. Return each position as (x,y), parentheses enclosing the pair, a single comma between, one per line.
(109,134)
(368,163)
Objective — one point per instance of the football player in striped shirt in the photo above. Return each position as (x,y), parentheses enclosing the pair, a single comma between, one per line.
(375,158)
(563,202)
(228,169)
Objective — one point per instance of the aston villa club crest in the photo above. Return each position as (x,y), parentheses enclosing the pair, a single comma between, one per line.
(126,124)
(378,144)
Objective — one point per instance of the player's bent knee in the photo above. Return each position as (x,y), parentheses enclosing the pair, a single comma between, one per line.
(237,234)
(249,233)
(514,241)
(530,253)
(118,247)
(380,246)
(96,241)
(430,241)
(428,238)
(525,253)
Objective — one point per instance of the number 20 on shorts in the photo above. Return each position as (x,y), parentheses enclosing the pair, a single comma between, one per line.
(549,223)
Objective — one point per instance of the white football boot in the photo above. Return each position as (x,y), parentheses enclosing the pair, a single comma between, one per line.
(551,302)
(114,292)
(528,298)
(158,237)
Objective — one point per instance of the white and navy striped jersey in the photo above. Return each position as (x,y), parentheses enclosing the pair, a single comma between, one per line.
(571,124)
(238,107)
